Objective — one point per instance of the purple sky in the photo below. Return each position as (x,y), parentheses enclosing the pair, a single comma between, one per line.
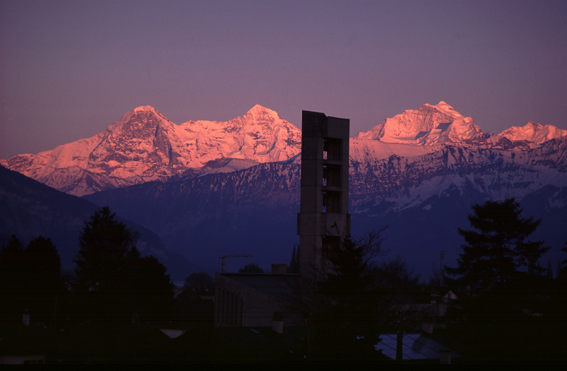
(70,68)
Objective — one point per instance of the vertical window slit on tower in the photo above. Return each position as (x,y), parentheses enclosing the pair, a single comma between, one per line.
(331,176)
(332,149)
(331,202)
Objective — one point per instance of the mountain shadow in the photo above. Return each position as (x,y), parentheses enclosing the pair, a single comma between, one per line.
(30,209)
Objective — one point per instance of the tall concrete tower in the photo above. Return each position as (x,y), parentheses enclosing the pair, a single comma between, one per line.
(323,219)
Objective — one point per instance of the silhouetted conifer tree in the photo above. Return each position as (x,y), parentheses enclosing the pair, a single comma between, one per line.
(294,261)
(30,280)
(502,291)
(113,282)
(497,249)
(509,309)
(45,283)
(12,281)
(194,303)
(200,283)
(347,321)
(150,288)
(563,268)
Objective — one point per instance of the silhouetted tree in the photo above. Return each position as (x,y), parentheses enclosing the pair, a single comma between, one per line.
(30,280)
(152,288)
(347,321)
(563,267)
(395,276)
(251,268)
(12,256)
(104,246)
(200,283)
(401,298)
(113,281)
(194,303)
(12,280)
(559,301)
(45,283)
(502,290)
(497,247)
(294,261)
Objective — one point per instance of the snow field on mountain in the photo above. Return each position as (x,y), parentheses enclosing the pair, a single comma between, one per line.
(145,146)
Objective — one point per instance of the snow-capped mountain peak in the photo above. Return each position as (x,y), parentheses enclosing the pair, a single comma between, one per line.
(428,125)
(259,110)
(532,133)
(142,112)
(259,114)
(444,107)
(145,108)
(260,135)
(144,145)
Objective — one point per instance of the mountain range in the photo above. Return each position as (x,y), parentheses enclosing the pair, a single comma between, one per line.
(209,188)
(145,146)
(421,199)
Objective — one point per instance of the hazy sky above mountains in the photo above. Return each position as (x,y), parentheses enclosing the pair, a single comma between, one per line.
(70,68)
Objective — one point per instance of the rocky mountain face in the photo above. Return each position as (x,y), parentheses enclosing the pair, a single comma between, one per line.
(145,146)
(531,134)
(428,125)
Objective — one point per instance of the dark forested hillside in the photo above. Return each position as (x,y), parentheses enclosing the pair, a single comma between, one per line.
(30,209)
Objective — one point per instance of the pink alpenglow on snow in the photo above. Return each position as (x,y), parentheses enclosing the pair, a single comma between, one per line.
(427,125)
(144,145)
(532,133)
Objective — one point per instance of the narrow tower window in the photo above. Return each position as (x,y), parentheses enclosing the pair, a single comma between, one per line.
(332,149)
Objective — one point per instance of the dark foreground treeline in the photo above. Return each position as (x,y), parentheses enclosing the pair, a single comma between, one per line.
(509,308)
(498,305)
(110,309)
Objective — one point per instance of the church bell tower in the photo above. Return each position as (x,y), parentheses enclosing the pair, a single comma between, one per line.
(323,220)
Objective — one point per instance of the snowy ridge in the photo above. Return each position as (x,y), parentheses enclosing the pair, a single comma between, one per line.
(368,150)
(260,135)
(145,146)
(407,182)
(401,182)
(427,125)
(532,134)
